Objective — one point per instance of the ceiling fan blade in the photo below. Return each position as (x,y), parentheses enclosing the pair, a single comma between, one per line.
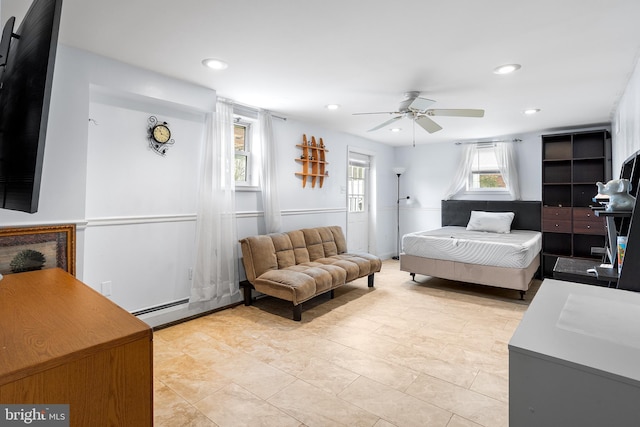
(460,112)
(427,124)
(388,122)
(378,112)
(421,104)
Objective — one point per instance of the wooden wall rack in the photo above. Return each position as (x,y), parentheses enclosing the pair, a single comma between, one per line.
(313,161)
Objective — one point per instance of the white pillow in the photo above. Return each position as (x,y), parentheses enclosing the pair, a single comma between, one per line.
(495,222)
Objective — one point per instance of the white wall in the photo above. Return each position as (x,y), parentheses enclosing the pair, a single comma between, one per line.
(626,122)
(135,210)
(430,169)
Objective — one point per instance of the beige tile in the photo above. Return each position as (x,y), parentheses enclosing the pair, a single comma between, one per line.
(462,374)
(380,370)
(400,354)
(234,406)
(170,410)
(318,372)
(317,408)
(473,406)
(496,386)
(259,378)
(188,378)
(458,421)
(394,406)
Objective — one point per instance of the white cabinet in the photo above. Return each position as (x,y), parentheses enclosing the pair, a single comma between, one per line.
(574,360)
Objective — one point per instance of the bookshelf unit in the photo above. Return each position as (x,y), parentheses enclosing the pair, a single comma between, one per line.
(572,163)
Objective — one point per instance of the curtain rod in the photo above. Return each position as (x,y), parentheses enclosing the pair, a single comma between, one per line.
(487,142)
(248,109)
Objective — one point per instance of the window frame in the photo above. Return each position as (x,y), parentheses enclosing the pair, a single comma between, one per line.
(251,174)
(470,188)
(360,182)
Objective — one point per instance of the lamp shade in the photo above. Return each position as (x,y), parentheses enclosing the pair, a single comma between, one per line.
(399,170)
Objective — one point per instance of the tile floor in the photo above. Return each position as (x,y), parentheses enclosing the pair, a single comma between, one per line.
(432,353)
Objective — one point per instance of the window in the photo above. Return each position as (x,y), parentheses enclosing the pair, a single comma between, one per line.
(356,188)
(241,142)
(485,173)
(245,141)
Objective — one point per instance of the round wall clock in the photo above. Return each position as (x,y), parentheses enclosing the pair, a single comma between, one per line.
(161,133)
(159,136)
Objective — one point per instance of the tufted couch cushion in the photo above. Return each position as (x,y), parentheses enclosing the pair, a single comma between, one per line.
(300,264)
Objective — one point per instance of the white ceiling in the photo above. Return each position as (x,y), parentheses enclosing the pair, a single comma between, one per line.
(295,56)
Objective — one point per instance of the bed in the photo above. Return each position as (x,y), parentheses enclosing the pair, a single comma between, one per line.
(507,260)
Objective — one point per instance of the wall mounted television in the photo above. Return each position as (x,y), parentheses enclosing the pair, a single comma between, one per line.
(26,75)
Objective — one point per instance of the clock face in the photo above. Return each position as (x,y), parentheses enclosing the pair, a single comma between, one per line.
(161,133)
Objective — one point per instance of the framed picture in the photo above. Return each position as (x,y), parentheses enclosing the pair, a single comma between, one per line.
(37,248)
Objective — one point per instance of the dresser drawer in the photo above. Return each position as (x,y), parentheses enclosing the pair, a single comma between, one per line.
(555,213)
(585,214)
(556,226)
(585,221)
(587,227)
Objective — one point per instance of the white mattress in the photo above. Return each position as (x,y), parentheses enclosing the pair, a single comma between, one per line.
(513,250)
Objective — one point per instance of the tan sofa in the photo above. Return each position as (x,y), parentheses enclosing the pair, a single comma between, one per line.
(301,264)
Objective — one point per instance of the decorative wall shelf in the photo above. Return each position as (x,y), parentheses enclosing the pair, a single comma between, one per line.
(313,161)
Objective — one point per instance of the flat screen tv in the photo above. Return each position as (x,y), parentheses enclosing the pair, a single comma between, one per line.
(26,74)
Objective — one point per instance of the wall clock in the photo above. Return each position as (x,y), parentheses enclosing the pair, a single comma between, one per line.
(159,135)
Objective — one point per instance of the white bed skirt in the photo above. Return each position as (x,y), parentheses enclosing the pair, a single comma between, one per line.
(502,277)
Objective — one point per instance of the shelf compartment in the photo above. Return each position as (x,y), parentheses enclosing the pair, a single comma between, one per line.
(557,147)
(589,144)
(556,195)
(589,170)
(583,243)
(556,171)
(556,244)
(583,194)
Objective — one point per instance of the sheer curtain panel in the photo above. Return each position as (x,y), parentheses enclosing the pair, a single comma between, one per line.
(464,169)
(269,174)
(505,155)
(216,264)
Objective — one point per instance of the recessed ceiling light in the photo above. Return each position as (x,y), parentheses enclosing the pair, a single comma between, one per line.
(215,64)
(332,106)
(506,69)
(395,129)
(531,111)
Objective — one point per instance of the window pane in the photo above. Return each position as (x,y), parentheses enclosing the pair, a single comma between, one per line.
(485,173)
(241,168)
(356,188)
(240,133)
(488,180)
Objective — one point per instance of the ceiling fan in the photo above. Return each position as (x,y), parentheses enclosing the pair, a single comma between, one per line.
(417,109)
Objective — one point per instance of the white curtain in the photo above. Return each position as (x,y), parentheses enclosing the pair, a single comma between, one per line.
(215,271)
(464,169)
(505,155)
(268,174)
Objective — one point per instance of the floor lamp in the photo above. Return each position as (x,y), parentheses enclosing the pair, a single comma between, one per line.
(398,172)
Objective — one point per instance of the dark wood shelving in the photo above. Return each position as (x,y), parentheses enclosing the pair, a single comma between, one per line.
(572,163)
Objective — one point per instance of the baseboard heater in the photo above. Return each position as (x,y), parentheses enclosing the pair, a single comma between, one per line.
(160,307)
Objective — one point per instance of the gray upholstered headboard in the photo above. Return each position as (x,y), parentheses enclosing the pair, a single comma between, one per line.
(527,213)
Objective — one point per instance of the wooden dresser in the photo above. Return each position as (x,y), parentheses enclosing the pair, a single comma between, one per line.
(61,342)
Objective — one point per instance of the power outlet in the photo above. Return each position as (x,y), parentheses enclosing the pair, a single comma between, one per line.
(105,288)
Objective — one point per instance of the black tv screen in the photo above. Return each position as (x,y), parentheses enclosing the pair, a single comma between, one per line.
(25,93)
